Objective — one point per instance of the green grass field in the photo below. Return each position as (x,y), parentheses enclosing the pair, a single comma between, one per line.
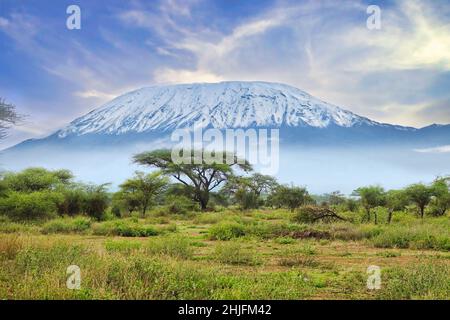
(230,254)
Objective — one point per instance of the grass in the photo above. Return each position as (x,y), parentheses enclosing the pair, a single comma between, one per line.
(67,225)
(124,228)
(234,253)
(257,254)
(423,281)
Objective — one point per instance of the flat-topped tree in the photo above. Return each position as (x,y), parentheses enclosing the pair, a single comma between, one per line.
(196,172)
(421,195)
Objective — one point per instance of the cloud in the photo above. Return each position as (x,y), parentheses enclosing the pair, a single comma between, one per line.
(95,94)
(412,36)
(168,75)
(441,149)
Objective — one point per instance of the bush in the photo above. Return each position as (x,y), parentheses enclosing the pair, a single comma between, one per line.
(313,214)
(96,201)
(29,206)
(226,231)
(36,179)
(73,202)
(123,228)
(67,225)
(180,205)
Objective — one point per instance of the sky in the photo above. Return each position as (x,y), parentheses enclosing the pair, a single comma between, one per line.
(397,74)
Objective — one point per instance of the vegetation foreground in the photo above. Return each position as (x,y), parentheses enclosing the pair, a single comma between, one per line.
(210,231)
(257,254)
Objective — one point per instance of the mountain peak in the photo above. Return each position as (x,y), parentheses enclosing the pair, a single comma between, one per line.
(232,104)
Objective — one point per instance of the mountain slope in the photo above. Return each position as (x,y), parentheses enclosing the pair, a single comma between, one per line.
(219,105)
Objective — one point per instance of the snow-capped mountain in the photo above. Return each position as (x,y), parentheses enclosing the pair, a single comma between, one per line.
(219,105)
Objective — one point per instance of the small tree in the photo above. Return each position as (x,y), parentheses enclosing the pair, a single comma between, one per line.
(8,117)
(370,198)
(421,195)
(247,191)
(396,200)
(142,189)
(441,196)
(290,197)
(198,174)
(335,198)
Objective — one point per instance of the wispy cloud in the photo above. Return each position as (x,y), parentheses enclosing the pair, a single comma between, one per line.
(441,149)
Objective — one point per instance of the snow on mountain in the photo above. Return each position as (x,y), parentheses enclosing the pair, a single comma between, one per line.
(220,105)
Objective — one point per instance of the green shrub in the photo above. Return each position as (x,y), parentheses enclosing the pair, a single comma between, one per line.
(73,201)
(226,231)
(36,179)
(30,206)
(285,240)
(180,205)
(67,225)
(96,201)
(123,228)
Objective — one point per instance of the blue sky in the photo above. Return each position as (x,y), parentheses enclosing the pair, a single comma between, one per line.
(399,74)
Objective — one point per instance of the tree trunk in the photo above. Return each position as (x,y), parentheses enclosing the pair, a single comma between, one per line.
(375,217)
(203,199)
(144,209)
(389,219)
(422,211)
(368,215)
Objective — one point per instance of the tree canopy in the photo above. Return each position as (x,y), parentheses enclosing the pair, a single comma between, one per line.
(201,175)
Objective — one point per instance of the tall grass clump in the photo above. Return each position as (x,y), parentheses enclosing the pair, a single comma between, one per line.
(67,225)
(413,237)
(123,228)
(429,281)
(10,245)
(175,246)
(234,253)
(226,231)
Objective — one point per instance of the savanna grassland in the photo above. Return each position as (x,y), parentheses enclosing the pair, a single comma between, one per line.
(225,254)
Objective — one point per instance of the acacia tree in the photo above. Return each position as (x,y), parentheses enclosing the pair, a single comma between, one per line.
(140,190)
(198,174)
(421,195)
(370,198)
(396,200)
(8,117)
(247,191)
(441,192)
